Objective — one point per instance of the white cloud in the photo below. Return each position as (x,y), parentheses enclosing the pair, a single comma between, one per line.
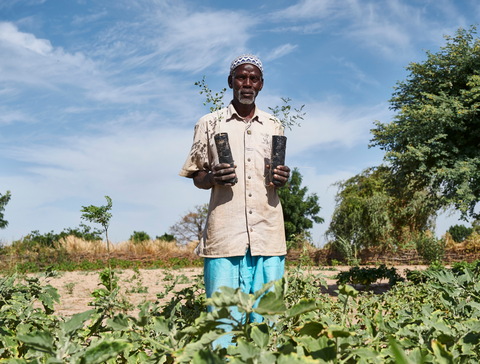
(392,28)
(308,9)
(138,169)
(173,36)
(280,51)
(11,3)
(356,74)
(8,116)
(331,124)
(80,20)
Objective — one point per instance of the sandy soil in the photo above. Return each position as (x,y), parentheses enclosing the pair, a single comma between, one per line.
(75,288)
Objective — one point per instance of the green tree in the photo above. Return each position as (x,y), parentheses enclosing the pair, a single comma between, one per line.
(100,215)
(3,202)
(369,214)
(300,210)
(433,139)
(460,232)
(139,236)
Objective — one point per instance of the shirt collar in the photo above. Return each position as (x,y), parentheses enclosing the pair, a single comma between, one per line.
(232,114)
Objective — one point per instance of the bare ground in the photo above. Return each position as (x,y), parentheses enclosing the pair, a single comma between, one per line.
(75,288)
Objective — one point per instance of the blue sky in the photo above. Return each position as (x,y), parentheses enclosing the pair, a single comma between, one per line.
(98,97)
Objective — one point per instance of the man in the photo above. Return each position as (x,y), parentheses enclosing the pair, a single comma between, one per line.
(243,241)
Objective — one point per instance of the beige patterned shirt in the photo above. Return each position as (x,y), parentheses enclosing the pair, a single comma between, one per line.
(249,213)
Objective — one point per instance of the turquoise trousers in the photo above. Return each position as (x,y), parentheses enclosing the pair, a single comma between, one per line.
(247,272)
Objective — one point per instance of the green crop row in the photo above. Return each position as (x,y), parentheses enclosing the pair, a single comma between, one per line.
(432,322)
(87,265)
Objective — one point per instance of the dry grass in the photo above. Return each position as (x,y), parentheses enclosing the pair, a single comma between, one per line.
(73,244)
(471,244)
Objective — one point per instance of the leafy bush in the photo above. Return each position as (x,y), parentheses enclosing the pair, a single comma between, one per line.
(347,250)
(166,237)
(430,248)
(460,232)
(408,324)
(139,237)
(367,276)
(49,239)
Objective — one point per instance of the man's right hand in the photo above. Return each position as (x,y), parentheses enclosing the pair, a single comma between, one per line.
(223,172)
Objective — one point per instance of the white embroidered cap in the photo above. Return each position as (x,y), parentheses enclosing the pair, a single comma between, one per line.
(246,58)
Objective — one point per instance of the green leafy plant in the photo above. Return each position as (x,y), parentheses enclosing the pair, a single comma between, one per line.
(300,210)
(166,237)
(371,212)
(69,287)
(460,232)
(100,215)
(139,237)
(430,248)
(4,199)
(348,251)
(367,276)
(283,114)
(431,322)
(430,144)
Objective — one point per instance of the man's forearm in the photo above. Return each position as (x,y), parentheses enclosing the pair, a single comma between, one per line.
(203,180)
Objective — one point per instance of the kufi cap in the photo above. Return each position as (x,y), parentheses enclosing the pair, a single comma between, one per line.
(246,58)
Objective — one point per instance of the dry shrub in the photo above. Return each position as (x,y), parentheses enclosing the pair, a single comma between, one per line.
(469,245)
(450,244)
(73,244)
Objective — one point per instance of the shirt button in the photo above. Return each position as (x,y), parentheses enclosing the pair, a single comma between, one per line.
(250,212)
(249,159)
(249,195)
(251,229)
(249,132)
(249,177)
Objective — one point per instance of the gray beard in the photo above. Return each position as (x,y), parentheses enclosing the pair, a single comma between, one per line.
(244,100)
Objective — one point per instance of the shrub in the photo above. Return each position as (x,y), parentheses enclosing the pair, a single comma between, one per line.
(430,248)
(460,232)
(139,237)
(166,237)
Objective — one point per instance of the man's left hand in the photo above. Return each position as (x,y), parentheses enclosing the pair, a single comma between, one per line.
(281,174)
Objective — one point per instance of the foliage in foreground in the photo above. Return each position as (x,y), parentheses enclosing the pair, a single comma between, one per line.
(432,322)
(432,143)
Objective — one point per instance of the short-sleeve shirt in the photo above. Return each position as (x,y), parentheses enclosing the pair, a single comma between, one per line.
(248,214)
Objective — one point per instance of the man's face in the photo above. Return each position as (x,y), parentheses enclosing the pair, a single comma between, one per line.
(246,83)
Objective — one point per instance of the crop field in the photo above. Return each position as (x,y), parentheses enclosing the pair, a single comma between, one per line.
(159,316)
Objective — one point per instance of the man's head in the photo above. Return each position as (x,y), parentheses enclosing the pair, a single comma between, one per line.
(246,78)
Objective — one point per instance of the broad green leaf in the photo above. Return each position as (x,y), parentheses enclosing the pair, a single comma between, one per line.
(441,354)
(185,355)
(310,329)
(293,358)
(119,323)
(398,353)
(348,290)
(77,321)
(161,325)
(338,331)
(270,304)
(260,335)
(38,340)
(302,307)
(104,351)
(206,357)
(247,350)
(368,354)
(264,289)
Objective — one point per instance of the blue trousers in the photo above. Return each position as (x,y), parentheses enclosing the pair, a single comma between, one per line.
(247,272)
